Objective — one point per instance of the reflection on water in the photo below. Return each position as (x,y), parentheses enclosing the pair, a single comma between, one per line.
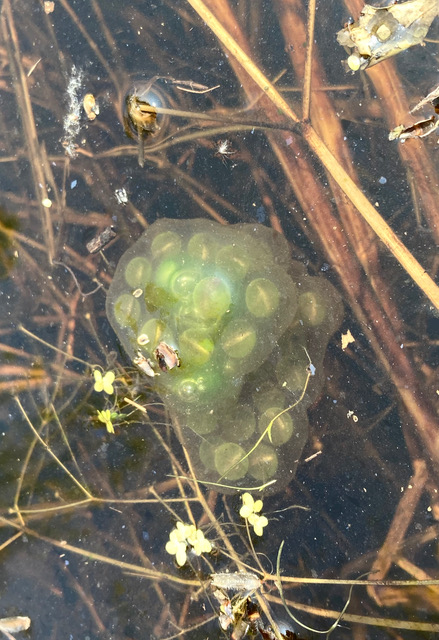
(91,463)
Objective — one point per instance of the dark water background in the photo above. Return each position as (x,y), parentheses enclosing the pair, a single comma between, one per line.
(353,487)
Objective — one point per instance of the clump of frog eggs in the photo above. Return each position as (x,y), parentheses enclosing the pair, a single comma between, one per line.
(223,321)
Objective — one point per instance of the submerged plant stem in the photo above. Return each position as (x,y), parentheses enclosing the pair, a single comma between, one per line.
(369,213)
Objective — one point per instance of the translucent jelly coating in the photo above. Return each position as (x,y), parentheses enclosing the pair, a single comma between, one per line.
(244,319)
(219,295)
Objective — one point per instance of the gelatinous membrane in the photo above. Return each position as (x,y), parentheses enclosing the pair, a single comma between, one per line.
(244,319)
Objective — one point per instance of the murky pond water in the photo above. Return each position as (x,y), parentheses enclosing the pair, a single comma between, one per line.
(291,359)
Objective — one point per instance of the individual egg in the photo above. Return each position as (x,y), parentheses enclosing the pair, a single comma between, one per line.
(238,424)
(127,310)
(154,329)
(312,308)
(207,450)
(267,397)
(157,298)
(262,297)
(189,390)
(196,347)
(281,425)
(263,462)
(138,272)
(229,461)
(235,260)
(239,338)
(183,282)
(203,246)
(212,298)
(292,372)
(202,423)
(165,272)
(165,245)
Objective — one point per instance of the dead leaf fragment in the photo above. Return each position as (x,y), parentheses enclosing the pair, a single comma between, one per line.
(91,107)
(14,624)
(49,6)
(346,339)
(432,98)
(418,130)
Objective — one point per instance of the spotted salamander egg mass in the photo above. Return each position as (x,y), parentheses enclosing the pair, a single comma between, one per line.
(222,320)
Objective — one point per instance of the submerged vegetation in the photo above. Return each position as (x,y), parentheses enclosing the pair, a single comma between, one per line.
(113,522)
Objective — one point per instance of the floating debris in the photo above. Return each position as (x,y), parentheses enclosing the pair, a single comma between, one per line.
(346,339)
(224,150)
(432,98)
(49,6)
(418,130)
(14,624)
(382,32)
(145,364)
(121,195)
(167,357)
(100,241)
(236,581)
(140,118)
(72,122)
(91,107)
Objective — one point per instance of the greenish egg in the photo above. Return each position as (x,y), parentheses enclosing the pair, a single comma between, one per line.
(212,298)
(262,297)
(203,246)
(239,338)
(165,245)
(165,272)
(312,308)
(238,424)
(126,310)
(292,372)
(138,272)
(234,260)
(183,282)
(281,427)
(229,461)
(268,397)
(154,329)
(207,452)
(202,424)
(189,390)
(263,463)
(196,347)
